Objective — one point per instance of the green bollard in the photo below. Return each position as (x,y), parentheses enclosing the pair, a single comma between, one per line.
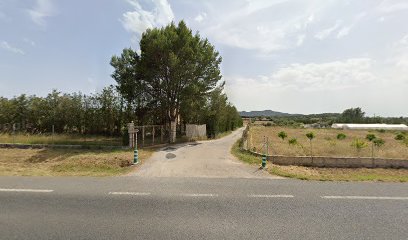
(263,161)
(135,157)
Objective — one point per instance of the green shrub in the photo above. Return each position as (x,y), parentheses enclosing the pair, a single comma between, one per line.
(282,135)
(378,142)
(341,136)
(310,135)
(399,137)
(358,144)
(370,137)
(293,141)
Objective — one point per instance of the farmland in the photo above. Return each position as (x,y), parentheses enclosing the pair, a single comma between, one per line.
(326,142)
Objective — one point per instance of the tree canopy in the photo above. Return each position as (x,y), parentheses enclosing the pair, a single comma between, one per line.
(176,77)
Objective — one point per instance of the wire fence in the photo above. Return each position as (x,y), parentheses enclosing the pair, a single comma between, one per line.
(147,135)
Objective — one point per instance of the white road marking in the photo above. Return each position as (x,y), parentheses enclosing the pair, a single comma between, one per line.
(365,197)
(25,190)
(131,193)
(199,195)
(270,196)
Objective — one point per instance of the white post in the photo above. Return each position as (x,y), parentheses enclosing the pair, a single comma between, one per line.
(131,132)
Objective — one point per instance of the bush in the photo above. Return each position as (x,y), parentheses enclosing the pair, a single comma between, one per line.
(341,136)
(310,136)
(399,137)
(283,135)
(358,144)
(378,142)
(293,141)
(370,137)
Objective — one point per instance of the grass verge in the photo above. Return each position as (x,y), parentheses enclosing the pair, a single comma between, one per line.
(61,139)
(67,162)
(325,174)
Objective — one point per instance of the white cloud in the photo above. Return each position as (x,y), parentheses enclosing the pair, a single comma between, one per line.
(300,40)
(399,60)
(390,6)
(42,10)
(261,25)
(138,20)
(29,41)
(317,76)
(200,17)
(344,31)
(328,31)
(6,46)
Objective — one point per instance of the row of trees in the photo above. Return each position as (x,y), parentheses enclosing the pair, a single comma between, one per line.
(99,113)
(175,79)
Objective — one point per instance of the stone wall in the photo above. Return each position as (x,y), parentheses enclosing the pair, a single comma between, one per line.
(337,162)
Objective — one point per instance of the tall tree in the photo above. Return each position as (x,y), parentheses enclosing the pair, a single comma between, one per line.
(177,66)
(352,115)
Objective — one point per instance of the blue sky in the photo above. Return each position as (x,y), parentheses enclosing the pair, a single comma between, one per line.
(287,55)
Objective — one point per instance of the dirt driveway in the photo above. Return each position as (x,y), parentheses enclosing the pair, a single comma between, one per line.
(207,159)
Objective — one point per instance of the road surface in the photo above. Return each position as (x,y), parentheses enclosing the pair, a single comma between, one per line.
(164,204)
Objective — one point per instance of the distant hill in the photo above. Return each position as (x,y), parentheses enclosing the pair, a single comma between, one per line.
(265,113)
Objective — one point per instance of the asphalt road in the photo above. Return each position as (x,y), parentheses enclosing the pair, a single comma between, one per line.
(231,201)
(200,208)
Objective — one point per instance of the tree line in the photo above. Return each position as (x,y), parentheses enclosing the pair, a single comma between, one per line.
(351,115)
(174,79)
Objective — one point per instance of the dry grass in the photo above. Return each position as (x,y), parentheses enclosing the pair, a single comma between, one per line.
(64,139)
(340,174)
(326,174)
(67,162)
(326,142)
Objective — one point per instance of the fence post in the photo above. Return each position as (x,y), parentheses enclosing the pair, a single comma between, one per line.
(153,134)
(136,152)
(161,134)
(264,155)
(52,136)
(143,136)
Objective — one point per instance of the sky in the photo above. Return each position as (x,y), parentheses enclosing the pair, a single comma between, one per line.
(293,56)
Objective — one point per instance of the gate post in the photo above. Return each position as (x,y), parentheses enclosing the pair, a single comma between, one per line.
(131,132)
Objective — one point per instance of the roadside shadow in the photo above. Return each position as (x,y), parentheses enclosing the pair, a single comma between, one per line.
(173,148)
